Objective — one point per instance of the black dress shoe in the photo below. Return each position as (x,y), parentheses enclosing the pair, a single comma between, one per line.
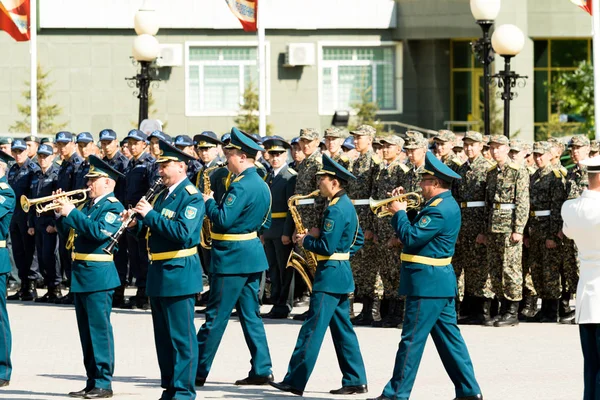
(255,380)
(199,381)
(301,317)
(4,382)
(97,393)
(350,390)
(284,387)
(80,394)
(476,397)
(382,397)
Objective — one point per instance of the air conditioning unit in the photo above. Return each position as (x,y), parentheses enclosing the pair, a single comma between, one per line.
(298,54)
(171,55)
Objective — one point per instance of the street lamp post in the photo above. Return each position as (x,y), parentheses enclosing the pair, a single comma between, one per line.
(485,12)
(145,51)
(508,41)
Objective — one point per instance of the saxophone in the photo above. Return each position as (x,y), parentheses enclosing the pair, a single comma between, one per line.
(304,261)
(205,239)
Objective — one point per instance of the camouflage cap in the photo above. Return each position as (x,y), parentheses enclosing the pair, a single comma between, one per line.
(458,143)
(499,139)
(528,147)
(309,133)
(335,132)
(445,136)
(516,145)
(392,139)
(364,130)
(486,141)
(415,143)
(579,140)
(542,147)
(414,134)
(594,145)
(474,136)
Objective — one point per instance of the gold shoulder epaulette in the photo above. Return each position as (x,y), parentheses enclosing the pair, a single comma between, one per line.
(404,168)
(563,171)
(493,167)
(376,159)
(514,166)
(334,201)
(191,189)
(258,164)
(239,178)
(557,173)
(112,199)
(4,185)
(344,158)
(457,161)
(491,162)
(436,202)
(292,171)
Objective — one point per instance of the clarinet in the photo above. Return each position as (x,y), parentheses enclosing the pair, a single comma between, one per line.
(114,239)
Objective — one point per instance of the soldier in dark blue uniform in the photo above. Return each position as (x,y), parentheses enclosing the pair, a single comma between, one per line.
(236,224)
(278,238)
(296,152)
(22,235)
(427,279)
(94,274)
(174,218)
(138,179)
(186,144)
(71,160)
(7,206)
(86,146)
(44,184)
(153,140)
(333,244)
(13,276)
(33,143)
(118,162)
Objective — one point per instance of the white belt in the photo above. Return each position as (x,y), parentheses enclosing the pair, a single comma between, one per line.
(503,206)
(304,202)
(361,202)
(469,204)
(541,213)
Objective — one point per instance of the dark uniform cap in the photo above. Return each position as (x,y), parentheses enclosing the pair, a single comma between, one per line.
(183,140)
(433,166)
(592,164)
(349,143)
(243,143)
(499,139)
(31,138)
(6,158)
(207,139)
(516,145)
(334,132)
(257,138)
(309,133)
(64,137)
(47,140)
(579,140)
(136,134)
(123,142)
(296,140)
(330,167)
(160,135)
(168,152)
(100,169)
(45,149)
(445,136)
(364,130)
(542,147)
(5,140)
(392,139)
(18,144)
(594,145)
(84,137)
(226,137)
(474,136)
(276,144)
(108,134)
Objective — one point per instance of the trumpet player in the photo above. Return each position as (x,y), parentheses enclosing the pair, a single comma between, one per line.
(338,238)
(94,275)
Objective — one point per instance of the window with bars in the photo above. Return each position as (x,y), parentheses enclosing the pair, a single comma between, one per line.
(348,72)
(217,77)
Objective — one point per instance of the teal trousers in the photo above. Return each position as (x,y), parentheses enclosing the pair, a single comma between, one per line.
(5,336)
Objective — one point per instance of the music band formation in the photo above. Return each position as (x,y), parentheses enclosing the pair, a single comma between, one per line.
(470,232)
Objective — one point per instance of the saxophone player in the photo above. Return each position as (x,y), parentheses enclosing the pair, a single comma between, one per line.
(338,238)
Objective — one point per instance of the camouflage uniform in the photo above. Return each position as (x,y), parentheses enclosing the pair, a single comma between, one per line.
(450,159)
(470,264)
(507,210)
(306,182)
(340,157)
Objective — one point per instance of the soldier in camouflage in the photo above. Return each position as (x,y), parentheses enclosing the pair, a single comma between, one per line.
(364,269)
(444,142)
(470,264)
(529,161)
(416,149)
(334,139)
(486,148)
(507,210)
(391,174)
(547,194)
(594,148)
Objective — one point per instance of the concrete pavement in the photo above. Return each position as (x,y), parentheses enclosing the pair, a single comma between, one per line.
(531,361)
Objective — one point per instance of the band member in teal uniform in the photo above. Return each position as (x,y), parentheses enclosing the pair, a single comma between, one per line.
(94,275)
(175,275)
(7,207)
(333,244)
(428,281)
(237,262)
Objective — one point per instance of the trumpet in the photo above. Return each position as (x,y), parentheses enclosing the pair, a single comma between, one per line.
(379,206)
(44,204)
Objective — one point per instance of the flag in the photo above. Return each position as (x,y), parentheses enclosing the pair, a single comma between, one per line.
(585,5)
(14,18)
(245,11)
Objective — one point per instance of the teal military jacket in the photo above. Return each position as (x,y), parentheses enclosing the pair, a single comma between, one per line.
(245,209)
(340,234)
(93,226)
(432,234)
(7,207)
(175,223)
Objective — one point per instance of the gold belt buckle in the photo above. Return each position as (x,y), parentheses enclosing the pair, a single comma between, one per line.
(463,204)
(497,206)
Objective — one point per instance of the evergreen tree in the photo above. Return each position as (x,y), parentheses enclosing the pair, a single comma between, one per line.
(247,119)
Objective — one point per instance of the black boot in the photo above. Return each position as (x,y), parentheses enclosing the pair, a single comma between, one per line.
(143,301)
(540,314)
(30,292)
(482,315)
(366,314)
(396,317)
(498,316)
(69,299)
(529,308)
(376,313)
(510,317)
(119,297)
(51,295)
(19,294)
(565,313)
(551,314)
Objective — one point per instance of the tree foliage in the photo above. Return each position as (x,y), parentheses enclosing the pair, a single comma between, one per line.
(46,110)
(366,111)
(247,119)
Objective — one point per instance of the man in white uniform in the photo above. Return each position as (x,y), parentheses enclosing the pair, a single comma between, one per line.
(581,219)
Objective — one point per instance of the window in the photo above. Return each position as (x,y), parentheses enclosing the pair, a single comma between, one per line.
(466,86)
(348,73)
(217,76)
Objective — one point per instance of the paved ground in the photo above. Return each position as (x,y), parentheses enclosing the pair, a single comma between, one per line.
(532,361)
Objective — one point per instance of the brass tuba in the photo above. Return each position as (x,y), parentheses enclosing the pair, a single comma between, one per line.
(379,206)
(304,262)
(43,204)
(205,239)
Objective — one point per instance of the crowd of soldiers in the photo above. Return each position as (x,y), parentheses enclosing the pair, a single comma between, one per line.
(510,253)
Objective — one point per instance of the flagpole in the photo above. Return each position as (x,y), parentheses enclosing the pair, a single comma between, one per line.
(596,60)
(33,51)
(262,78)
